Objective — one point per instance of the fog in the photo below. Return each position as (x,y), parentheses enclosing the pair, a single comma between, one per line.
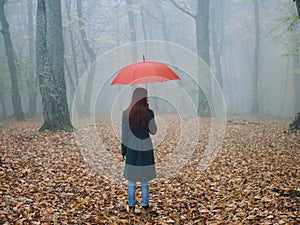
(119,34)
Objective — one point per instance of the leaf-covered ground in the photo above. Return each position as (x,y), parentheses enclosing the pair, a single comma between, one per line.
(253,180)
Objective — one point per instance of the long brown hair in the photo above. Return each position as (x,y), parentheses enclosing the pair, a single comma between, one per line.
(138,110)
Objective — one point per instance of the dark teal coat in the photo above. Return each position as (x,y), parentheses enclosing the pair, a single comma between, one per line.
(138,148)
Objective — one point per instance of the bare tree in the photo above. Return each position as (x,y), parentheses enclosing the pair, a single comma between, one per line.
(73,50)
(255,105)
(131,20)
(217,30)
(298,7)
(92,55)
(3,73)
(296,68)
(50,66)
(32,79)
(132,25)
(202,32)
(2,94)
(201,19)
(11,60)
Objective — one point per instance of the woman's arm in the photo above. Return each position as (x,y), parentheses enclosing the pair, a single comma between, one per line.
(125,134)
(152,125)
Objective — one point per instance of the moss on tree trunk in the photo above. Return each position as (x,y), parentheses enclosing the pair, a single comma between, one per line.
(50,66)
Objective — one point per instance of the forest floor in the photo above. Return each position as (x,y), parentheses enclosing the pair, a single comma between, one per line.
(44,179)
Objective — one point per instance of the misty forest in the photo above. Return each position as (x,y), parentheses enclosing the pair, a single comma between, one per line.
(227,147)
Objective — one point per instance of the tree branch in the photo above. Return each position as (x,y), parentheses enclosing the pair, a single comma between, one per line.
(183,10)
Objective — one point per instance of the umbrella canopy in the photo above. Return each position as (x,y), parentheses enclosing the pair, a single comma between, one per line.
(145,72)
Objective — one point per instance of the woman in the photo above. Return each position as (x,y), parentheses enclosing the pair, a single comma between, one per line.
(137,122)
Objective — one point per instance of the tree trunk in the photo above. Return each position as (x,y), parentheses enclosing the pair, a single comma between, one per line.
(132,26)
(296,75)
(131,21)
(92,55)
(202,41)
(118,33)
(74,56)
(2,84)
(143,23)
(32,83)
(2,96)
(69,74)
(285,86)
(255,105)
(202,32)
(50,66)
(296,67)
(217,24)
(11,60)
(298,7)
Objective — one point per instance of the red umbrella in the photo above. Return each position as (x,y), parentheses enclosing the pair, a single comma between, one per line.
(145,72)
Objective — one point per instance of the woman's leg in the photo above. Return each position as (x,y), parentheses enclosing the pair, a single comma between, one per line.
(145,194)
(131,193)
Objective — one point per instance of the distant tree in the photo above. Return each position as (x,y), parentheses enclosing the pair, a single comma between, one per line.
(255,105)
(202,32)
(296,62)
(73,80)
(50,66)
(291,22)
(295,44)
(298,7)
(31,79)
(131,20)
(201,19)
(217,31)
(132,25)
(92,55)
(11,60)
(296,67)
(3,77)
(2,89)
